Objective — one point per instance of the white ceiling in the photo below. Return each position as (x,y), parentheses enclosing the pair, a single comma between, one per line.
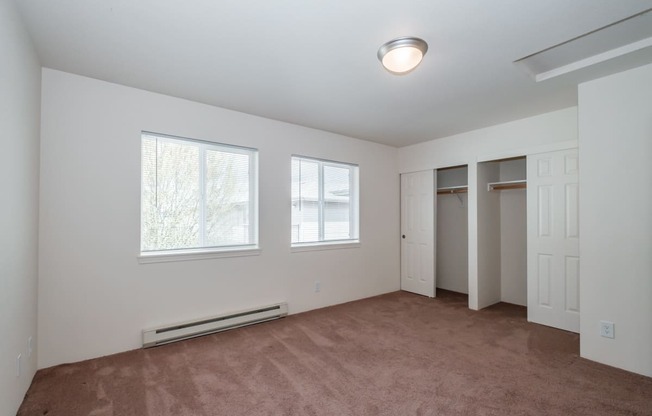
(313,62)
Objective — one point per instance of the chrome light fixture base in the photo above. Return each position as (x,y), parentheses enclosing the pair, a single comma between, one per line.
(401,55)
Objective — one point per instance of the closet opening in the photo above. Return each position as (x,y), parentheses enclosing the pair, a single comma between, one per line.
(452,236)
(502,232)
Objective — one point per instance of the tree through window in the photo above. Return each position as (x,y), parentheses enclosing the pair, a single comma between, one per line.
(197,194)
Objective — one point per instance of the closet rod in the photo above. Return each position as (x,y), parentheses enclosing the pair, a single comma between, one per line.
(501,186)
(452,190)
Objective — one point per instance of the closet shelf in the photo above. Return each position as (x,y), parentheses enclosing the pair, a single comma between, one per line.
(452,190)
(505,185)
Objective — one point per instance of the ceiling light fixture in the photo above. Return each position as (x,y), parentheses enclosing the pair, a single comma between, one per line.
(401,55)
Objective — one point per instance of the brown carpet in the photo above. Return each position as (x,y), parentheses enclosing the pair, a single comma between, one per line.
(396,354)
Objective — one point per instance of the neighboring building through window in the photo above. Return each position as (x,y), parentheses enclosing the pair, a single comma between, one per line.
(197,195)
(324,201)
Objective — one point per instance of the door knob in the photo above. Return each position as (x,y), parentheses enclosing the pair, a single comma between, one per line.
(403,236)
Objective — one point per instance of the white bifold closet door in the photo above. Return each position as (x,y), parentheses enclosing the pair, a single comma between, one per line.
(553,239)
(418,217)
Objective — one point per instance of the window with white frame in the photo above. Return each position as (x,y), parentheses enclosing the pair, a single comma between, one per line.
(324,201)
(197,195)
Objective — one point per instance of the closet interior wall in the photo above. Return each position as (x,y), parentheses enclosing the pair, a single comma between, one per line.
(502,234)
(452,240)
(513,235)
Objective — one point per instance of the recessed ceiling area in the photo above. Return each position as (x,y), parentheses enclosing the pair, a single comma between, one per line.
(625,40)
(315,64)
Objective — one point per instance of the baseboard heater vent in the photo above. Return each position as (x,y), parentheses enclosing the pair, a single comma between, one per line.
(191,329)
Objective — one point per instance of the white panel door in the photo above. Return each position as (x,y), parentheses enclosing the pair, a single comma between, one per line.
(418,232)
(553,239)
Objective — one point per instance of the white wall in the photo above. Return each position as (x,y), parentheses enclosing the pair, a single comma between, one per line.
(488,238)
(513,235)
(20,83)
(502,235)
(452,232)
(546,132)
(95,298)
(615,132)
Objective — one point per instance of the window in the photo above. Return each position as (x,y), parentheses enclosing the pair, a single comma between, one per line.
(197,195)
(324,201)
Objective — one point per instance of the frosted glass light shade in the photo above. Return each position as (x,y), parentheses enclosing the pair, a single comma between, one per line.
(402,55)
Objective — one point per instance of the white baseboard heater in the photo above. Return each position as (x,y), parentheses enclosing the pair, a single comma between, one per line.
(191,329)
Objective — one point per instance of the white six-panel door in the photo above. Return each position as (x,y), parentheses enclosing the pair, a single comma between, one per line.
(553,239)
(418,218)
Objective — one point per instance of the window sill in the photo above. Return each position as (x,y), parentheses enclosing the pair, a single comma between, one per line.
(324,245)
(197,254)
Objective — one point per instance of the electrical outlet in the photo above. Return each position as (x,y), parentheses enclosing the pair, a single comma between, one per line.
(29,347)
(317,286)
(20,356)
(607,329)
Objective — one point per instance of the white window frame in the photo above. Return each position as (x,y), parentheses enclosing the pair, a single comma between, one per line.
(206,252)
(354,208)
